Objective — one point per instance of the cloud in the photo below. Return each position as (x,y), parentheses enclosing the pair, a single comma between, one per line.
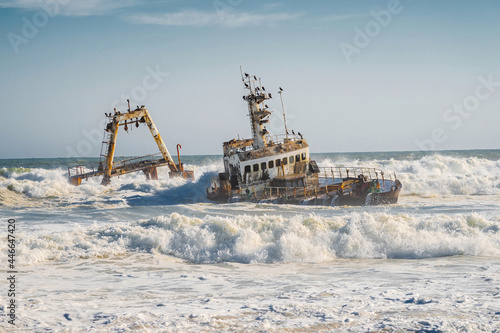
(70,7)
(343,17)
(229,18)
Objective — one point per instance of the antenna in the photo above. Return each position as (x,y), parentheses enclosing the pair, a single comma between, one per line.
(241,71)
(283,108)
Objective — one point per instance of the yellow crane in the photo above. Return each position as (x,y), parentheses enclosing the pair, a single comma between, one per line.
(146,164)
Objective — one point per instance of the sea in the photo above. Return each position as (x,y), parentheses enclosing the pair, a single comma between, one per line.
(157,256)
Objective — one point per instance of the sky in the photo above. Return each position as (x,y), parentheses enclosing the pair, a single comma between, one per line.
(379,75)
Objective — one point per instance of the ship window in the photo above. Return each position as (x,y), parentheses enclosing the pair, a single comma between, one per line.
(285,161)
(278,163)
(255,167)
(263,166)
(303,156)
(297,158)
(290,159)
(271,164)
(248,168)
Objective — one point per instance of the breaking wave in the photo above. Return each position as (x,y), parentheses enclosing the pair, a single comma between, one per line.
(26,187)
(437,174)
(274,239)
(425,176)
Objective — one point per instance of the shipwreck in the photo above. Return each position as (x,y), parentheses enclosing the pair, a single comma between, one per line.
(108,167)
(279,169)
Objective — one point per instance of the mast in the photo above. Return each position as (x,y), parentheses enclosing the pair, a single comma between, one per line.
(283,108)
(258,114)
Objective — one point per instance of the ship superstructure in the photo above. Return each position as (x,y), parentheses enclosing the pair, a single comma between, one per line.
(279,169)
(263,158)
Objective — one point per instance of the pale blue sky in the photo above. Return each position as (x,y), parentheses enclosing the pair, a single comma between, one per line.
(393,89)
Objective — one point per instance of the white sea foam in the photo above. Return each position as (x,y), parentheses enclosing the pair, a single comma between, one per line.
(38,183)
(272,239)
(427,176)
(277,267)
(437,174)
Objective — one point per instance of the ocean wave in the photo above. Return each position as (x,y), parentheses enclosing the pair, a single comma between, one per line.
(436,174)
(52,184)
(273,239)
(427,176)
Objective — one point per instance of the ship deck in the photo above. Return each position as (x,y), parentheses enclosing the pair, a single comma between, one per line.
(83,172)
(335,186)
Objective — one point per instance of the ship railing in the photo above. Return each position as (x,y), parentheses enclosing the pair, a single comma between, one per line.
(96,169)
(283,139)
(135,161)
(274,139)
(81,170)
(331,180)
(332,175)
(238,150)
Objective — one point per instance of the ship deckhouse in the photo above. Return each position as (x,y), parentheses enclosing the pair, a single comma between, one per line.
(264,157)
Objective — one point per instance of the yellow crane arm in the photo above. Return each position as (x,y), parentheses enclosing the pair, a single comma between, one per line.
(140,115)
(159,142)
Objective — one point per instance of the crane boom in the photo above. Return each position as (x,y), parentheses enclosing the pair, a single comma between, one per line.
(159,142)
(120,119)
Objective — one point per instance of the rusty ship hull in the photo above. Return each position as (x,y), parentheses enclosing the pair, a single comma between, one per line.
(322,190)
